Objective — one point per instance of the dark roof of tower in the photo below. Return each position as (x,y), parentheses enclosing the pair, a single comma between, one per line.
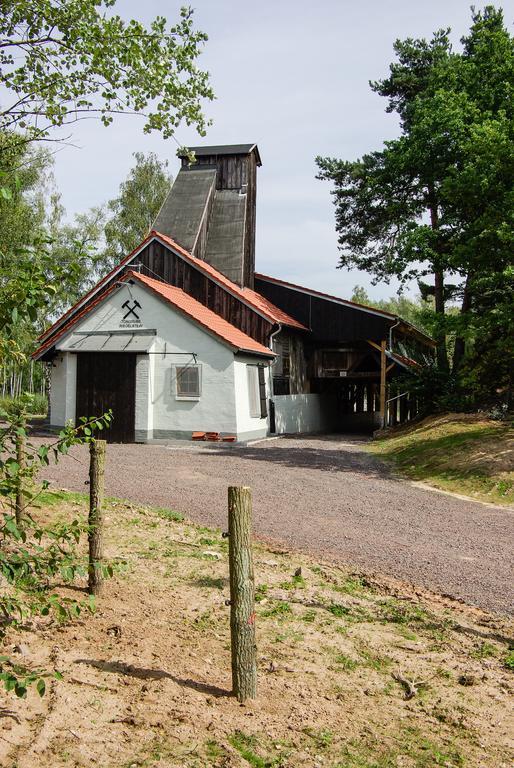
(225,149)
(182,212)
(225,236)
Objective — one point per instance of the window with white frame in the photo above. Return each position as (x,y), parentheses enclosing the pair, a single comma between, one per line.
(256,391)
(188,382)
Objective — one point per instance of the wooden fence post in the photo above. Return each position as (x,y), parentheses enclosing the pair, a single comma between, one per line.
(242,594)
(95,521)
(20,460)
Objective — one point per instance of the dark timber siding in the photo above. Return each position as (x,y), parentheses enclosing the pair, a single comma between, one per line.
(329,321)
(251,206)
(159,261)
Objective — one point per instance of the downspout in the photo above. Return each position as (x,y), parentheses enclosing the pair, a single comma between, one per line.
(398,322)
(273,362)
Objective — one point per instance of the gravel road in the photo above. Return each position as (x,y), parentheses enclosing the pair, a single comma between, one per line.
(324,495)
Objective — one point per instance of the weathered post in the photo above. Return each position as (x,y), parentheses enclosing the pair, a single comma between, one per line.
(242,594)
(20,460)
(383,404)
(95,521)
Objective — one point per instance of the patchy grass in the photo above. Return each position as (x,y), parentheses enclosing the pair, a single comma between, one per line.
(254,752)
(462,453)
(169,514)
(52,498)
(146,680)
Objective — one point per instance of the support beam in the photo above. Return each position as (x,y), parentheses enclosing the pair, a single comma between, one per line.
(383,344)
(373,344)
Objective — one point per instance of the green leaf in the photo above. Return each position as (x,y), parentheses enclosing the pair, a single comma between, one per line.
(41,686)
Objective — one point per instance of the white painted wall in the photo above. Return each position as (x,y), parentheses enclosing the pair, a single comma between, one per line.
(63,389)
(304,413)
(247,426)
(214,411)
(144,394)
(158,413)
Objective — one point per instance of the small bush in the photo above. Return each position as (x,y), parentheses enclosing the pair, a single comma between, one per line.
(34,404)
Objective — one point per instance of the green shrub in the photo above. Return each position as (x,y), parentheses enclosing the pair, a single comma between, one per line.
(34,404)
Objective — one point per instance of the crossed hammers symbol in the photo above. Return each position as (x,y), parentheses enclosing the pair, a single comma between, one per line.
(131,309)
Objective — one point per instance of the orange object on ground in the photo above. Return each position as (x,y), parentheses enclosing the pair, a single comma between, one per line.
(229,439)
(198,436)
(212,436)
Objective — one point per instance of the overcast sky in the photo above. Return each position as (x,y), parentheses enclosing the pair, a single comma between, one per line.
(291,75)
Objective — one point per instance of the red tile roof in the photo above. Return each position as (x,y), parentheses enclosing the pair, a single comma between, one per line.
(407,362)
(254,299)
(202,315)
(248,296)
(185,304)
(265,306)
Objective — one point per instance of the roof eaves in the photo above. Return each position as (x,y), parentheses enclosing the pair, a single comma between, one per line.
(346,302)
(328,296)
(224,149)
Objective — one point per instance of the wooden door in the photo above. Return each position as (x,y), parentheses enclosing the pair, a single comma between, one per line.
(108,381)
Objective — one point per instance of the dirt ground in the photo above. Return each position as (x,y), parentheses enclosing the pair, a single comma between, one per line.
(146,679)
(324,495)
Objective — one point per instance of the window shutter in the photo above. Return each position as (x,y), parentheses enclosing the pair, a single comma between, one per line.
(253,391)
(262,393)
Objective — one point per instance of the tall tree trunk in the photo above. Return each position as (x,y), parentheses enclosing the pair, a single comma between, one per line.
(440,336)
(439,303)
(460,341)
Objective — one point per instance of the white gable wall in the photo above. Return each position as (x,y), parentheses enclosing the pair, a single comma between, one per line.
(224,402)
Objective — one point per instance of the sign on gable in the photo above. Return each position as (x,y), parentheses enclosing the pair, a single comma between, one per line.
(131,318)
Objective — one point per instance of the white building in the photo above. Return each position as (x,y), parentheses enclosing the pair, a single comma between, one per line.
(184,336)
(172,367)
